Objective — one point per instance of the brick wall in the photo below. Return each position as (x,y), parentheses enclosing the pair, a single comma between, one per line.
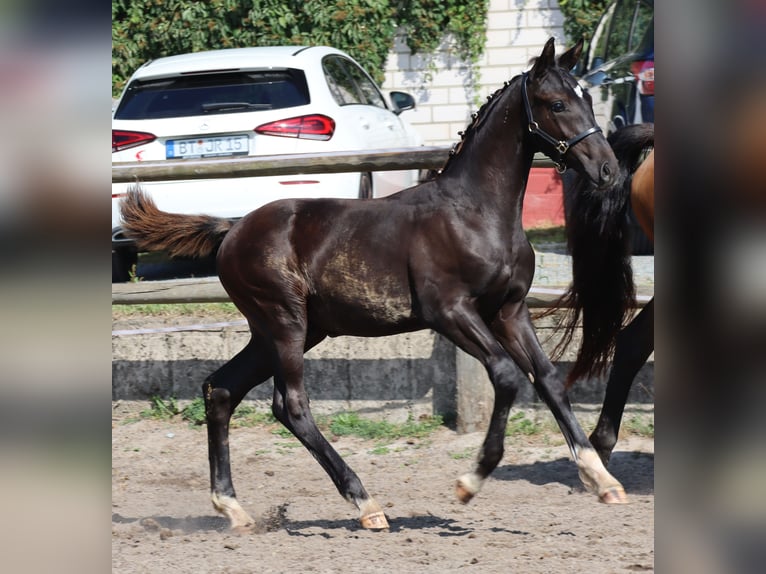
(516,32)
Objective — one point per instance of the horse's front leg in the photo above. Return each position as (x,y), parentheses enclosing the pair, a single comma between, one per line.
(464,327)
(513,327)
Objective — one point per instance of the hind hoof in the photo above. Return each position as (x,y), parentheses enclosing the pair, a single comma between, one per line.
(614,495)
(375,521)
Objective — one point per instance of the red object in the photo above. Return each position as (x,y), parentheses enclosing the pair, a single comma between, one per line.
(123,139)
(544,199)
(312,127)
(644,72)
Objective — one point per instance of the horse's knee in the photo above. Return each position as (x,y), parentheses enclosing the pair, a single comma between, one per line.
(503,374)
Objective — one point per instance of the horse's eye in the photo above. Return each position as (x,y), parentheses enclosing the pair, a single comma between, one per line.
(558,107)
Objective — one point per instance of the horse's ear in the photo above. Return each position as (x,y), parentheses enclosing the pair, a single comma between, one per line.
(546,60)
(569,59)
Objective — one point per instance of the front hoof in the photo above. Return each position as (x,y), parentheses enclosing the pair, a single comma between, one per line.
(464,495)
(467,487)
(614,495)
(375,521)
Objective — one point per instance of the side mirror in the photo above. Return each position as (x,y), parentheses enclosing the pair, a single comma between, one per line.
(402,101)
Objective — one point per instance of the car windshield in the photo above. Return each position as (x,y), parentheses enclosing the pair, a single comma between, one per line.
(213,93)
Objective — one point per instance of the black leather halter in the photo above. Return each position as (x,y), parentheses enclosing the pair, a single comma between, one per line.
(560,146)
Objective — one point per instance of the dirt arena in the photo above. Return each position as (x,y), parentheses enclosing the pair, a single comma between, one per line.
(531,516)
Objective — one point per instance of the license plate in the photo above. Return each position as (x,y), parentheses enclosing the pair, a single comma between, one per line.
(207,147)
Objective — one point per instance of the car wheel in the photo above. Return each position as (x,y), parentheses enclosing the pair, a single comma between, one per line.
(365,186)
(123,260)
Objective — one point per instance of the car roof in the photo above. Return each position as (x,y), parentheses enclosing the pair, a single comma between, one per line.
(235,59)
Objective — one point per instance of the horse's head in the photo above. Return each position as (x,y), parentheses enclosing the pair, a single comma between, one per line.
(560,116)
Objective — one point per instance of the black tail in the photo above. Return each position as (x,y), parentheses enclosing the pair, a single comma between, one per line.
(179,235)
(602,292)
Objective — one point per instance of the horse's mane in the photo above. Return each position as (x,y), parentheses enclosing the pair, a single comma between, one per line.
(477,118)
(602,292)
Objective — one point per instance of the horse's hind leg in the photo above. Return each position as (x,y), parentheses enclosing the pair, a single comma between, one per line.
(291,408)
(514,329)
(634,345)
(223,391)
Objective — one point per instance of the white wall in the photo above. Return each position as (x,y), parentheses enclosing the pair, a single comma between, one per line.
(516,32)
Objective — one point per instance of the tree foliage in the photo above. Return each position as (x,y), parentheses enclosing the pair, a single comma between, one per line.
(146,29)
(581,17)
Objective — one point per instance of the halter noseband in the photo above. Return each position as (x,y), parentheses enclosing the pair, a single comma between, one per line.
(561,146)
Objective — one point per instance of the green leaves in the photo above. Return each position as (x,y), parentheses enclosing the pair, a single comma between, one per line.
(147,29)
(581,17)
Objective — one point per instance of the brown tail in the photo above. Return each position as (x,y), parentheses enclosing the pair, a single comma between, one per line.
(179,235)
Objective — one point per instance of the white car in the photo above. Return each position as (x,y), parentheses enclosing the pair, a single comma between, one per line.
(253,101)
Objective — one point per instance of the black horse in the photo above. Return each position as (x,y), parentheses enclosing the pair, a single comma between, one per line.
(598,237)
(448,255)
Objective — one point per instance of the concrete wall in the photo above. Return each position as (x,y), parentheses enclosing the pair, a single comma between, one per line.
(393,377)
(516,32)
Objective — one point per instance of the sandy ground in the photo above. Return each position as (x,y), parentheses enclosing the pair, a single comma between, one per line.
(532,515)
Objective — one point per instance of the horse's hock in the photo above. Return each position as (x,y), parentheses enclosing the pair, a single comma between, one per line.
(394,377)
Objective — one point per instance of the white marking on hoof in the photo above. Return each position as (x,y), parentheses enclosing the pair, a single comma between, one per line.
(468,486)
(230,508)
(597,479)
(372,516)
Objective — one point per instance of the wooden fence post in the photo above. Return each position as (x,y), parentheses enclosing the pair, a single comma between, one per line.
(475,395)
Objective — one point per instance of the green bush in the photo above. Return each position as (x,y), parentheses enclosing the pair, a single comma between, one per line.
(146,29)
(581,17)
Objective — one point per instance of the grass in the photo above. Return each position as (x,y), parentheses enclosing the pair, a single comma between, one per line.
(519,424)
(381,431)
(638,425)
(546,235)
(351,424)
(343,424)
(174,310)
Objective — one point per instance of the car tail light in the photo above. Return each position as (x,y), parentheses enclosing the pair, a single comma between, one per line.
(644,72)
(122,139)
(312,127)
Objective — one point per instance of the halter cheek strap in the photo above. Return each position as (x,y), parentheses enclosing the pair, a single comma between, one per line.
(561,146)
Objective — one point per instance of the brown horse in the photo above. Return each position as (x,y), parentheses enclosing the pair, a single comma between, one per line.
(449,254)
(599,241)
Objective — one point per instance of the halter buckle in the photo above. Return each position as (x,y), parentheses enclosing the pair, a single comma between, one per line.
(562,147)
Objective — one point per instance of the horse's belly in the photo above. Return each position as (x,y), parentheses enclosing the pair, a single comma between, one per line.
(355,305)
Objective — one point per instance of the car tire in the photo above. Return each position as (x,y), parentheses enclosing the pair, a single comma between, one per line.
(123,260)
(365,186)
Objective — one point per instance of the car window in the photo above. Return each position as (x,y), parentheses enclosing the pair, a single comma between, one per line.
(349,84)
(598,43)
(371,94)
(630,21)
(619,33)
(341,84)
(642,23)
(230,92)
